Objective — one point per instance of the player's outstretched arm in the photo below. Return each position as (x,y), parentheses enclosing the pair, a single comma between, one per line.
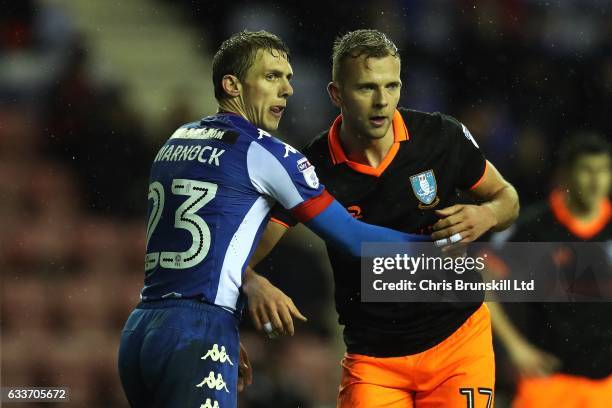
(336,226)
(328,219)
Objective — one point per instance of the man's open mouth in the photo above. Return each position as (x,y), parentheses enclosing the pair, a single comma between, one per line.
(277,110)
(378,120)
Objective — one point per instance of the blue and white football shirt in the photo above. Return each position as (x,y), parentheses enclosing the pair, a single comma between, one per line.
(211,189)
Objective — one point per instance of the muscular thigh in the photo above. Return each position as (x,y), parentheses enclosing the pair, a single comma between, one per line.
(372,382)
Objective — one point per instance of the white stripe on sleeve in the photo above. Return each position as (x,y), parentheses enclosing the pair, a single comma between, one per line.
(269,177)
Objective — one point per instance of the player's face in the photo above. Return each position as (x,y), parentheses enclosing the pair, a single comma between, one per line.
(369,91)
(590,177)
(266,89)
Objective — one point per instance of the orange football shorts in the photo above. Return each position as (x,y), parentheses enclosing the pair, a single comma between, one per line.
(459,372)
(565,391)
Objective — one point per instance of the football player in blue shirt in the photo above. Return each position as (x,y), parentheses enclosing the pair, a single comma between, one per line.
(211,189)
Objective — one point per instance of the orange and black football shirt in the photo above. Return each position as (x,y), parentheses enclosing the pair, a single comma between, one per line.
(429,147)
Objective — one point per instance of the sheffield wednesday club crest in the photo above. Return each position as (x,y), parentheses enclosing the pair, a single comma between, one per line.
(425,188)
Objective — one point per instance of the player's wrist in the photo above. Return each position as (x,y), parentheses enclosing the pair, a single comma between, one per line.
(252,282)
(247,280)
(490,216)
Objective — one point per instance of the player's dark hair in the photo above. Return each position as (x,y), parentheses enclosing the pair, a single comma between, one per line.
(579,145)
(236,55)
(371,43)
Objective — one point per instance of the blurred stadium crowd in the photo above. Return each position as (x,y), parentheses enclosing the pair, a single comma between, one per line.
(74,157)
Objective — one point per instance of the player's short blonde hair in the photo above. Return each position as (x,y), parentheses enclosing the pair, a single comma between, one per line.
(371,43)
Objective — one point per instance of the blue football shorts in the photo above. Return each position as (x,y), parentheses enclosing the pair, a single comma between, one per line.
(180,353)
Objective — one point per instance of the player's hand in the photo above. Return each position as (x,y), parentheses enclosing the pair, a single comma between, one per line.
(245,371)
(531,361)
(271,310)
(462,223)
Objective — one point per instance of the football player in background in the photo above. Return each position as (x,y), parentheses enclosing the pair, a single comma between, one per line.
(563,351)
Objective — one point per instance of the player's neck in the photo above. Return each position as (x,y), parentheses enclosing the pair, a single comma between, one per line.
(232,106)
(365,150)
(581,211)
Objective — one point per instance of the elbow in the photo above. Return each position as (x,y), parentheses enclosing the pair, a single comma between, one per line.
(516,206)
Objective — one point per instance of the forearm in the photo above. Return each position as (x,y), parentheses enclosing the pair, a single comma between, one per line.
(504,207)
(339,228)
(503,328)
(272,234)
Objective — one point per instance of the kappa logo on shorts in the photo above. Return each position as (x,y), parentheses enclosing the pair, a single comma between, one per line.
(214,383)
(425,188)
(210,404)
(216,355)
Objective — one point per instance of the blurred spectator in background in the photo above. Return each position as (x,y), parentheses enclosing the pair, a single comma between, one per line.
(90,127)
(564,354)
(16,26)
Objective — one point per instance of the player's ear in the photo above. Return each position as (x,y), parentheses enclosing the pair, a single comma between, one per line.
(231,85)
(334,93)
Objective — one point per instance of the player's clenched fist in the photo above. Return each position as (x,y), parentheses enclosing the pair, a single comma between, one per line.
(463,223)
(271,310)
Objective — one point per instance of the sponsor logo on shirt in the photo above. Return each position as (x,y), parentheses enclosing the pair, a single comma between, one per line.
(226,136)
(355,211)
(308,171)
(303,164)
